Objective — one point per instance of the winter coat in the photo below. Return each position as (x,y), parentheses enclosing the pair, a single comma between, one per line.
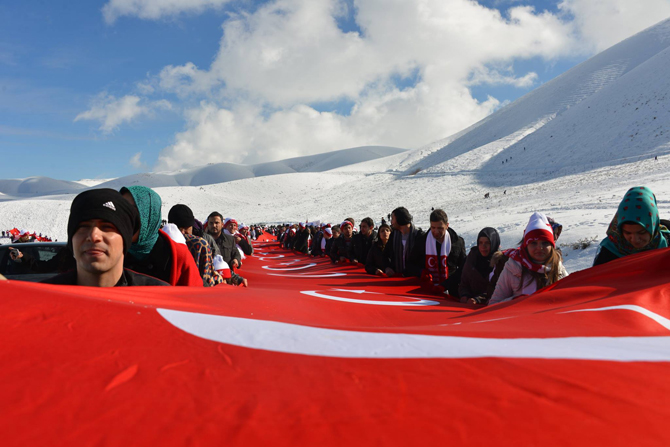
(316,244)
(228,248)
(473,283)
(212,244)
(302,242)
(246,246)
(128,278)
(376,259)
(603,255)
(362,245)
(202,255)
(455,261)
(342,247)
(515,280)
(394,250)
(329,246)
(168,261)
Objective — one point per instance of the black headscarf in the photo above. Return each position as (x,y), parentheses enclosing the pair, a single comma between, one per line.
(483,264)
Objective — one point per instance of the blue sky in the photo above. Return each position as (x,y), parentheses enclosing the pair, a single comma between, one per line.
(87,94)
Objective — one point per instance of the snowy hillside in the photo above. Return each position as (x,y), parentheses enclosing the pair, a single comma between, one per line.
(589,135)
(609,110)
(205,175)
(227,172)
(38,185)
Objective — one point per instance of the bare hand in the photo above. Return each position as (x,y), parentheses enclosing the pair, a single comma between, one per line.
(235,263)
(14,255)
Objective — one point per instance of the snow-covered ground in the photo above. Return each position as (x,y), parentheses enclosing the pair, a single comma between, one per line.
(570,149)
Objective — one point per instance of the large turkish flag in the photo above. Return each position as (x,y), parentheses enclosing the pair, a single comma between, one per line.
(316,354)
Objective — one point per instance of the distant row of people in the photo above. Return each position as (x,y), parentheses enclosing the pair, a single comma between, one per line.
(22,236)
(487,274)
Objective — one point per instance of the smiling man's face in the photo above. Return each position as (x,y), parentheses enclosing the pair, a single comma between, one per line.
(98,247)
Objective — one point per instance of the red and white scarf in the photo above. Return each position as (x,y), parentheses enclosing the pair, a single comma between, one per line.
(437,265)
(538,229)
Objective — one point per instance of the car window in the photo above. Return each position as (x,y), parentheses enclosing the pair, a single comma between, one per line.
(35,260)
(47,253)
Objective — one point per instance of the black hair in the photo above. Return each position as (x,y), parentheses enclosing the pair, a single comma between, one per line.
(439,216)
(369,222)
(402,216)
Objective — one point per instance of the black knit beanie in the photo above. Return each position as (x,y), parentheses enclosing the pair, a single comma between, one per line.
(108,205)
(181,215)
(402,216)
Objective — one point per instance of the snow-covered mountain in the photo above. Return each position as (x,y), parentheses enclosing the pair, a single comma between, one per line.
(570,148)
(612,109)
(38,186)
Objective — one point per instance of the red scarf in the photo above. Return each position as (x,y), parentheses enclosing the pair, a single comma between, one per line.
(436,264)
(521,256)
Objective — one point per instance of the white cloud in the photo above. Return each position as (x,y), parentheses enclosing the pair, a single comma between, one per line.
(156,9)
(277,64)
(111,112)
(274,64)
(136,161)
(492,76)
(603,23)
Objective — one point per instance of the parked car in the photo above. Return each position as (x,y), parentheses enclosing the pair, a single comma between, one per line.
(41,260)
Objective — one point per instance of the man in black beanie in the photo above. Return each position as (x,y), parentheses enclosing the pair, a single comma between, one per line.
(400,244)
(100,231)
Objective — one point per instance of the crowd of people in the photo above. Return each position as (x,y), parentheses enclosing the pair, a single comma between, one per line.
(17,236)
(486,274)
(118,238)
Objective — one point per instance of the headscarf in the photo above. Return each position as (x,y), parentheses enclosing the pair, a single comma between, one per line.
(638,206)
(483,264)
(149,206)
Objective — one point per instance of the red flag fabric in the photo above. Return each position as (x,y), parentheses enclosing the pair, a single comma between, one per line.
(317,354)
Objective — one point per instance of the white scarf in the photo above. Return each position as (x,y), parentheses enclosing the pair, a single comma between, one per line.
(437,265)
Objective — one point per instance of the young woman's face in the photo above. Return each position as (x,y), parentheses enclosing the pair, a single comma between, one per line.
(635,235)
(384,234)
(539,251)
(484,245)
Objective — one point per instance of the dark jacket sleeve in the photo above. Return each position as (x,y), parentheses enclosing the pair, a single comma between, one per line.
(603,256)
(246,247)
(417,258)
(236,254)
(389,258)
(334,249)
(455,263)
(470,276)
(375,260)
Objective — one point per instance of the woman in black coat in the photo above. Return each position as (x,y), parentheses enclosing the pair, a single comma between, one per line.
(475,276)
(375,262)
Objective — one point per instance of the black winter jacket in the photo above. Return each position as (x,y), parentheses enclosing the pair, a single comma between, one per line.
(361,246)
(376,259)
(455,261)
(393,252)
(342,248)
(128,278)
